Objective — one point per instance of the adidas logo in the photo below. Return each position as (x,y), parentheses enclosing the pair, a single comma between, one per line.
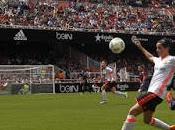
(20,36)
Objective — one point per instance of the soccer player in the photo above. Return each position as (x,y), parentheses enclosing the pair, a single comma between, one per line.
(169,97)
(170,100)
(109,82)
(164,68)
(144,80)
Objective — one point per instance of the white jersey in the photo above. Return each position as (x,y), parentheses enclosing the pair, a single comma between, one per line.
(107,73)
(163,73)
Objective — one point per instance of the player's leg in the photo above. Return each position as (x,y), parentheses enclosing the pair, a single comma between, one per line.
(150,120)
(103,93)
(172,127)
(124,94)
(149,103)
(131,120)
(145,103)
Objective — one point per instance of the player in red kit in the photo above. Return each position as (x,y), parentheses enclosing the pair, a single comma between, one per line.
(144,80)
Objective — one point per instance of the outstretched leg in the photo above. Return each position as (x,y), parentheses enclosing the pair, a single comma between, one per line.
(150,120)
(124,94)
(131,120)
(147,104)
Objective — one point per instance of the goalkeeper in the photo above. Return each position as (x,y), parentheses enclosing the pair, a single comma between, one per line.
(24,89)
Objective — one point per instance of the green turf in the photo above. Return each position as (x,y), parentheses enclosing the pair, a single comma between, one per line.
(70,112)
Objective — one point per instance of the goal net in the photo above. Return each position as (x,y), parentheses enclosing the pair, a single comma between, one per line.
(26,79)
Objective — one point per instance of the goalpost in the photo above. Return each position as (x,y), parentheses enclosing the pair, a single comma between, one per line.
(23,79)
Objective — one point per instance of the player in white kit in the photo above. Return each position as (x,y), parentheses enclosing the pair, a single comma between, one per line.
(164,69)
(109,82)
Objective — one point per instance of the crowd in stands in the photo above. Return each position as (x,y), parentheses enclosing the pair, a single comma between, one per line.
(144,16)
(92,15)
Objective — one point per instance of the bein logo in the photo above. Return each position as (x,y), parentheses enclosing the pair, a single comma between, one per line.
(122,86)
(64,36)
(68,88)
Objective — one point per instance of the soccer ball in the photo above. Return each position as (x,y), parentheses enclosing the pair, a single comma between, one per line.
(117,45)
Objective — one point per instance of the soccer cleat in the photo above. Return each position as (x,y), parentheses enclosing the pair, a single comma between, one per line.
(172,127)
(103,102)
(126,95)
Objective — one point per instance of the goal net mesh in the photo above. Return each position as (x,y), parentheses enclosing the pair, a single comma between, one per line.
(22,79)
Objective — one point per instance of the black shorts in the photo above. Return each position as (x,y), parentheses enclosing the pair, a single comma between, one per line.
(149,101)
(109,85)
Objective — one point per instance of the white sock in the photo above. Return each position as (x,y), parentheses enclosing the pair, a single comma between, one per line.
(104,95)
(130,123)
(159,124)
(120,93)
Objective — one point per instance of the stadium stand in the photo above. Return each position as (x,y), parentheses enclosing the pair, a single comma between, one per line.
(92,15)
(143,16)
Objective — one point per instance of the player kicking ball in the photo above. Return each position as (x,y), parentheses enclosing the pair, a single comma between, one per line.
(109,82)
(164,68)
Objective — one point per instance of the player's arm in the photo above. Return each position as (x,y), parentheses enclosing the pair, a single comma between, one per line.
(148,55)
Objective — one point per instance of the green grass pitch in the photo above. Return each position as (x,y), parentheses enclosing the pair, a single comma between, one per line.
(71,112)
